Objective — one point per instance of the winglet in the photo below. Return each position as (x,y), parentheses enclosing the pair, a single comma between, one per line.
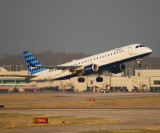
(32,62)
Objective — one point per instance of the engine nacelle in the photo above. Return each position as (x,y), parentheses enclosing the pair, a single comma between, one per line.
(117,68)
(91,68)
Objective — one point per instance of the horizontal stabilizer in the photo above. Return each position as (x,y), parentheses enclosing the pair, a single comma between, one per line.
(24,76)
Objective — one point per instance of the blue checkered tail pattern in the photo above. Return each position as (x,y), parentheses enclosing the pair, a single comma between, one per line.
(32,62)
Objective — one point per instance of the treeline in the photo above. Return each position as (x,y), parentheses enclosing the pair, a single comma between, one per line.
(46,58)
(49,58)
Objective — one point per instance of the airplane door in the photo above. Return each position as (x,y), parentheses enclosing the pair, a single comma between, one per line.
(49,74)
(130,50)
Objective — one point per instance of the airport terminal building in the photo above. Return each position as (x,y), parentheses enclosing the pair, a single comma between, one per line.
(141,81)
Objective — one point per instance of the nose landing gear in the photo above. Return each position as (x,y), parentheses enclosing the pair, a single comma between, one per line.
(139,62)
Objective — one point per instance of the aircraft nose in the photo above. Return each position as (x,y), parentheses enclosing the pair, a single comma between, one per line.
(149,50)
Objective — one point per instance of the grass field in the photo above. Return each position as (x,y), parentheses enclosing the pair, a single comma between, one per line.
(147,130)
(145,101)
(22,97)
(20,121)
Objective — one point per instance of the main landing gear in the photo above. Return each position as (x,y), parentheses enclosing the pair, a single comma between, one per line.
(139,62)
(81,79)
(99,79)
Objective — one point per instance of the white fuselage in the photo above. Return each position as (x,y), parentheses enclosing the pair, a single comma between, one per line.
(115,56)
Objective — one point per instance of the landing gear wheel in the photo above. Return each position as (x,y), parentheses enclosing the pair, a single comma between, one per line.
(139,62)
(99,79)
(80,80)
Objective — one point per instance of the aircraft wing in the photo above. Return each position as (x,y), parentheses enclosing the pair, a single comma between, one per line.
(71,68)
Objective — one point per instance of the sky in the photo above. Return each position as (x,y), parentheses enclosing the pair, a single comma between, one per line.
(74,26)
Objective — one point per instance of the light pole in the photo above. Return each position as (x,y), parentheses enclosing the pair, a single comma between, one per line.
(21,67)
(10,67)
(16,68)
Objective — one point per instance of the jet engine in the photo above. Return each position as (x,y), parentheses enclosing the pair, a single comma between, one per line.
(91,68)
(117,68)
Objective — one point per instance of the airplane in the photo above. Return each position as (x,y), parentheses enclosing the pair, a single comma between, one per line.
(112,61)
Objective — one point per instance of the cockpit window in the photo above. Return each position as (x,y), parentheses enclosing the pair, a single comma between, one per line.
(139,46)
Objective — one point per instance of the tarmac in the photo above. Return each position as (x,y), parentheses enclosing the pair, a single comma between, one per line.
(129,118)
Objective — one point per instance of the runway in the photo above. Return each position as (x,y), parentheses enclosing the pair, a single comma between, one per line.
(127,117)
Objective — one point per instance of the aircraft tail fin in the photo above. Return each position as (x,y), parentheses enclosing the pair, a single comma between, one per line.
(32,62)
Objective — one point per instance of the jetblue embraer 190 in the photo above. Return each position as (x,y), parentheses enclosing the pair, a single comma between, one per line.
(111,61)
